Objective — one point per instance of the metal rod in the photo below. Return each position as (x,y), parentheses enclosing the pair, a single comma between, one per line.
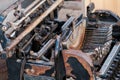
(67,23)
(31,6)
(33,25)
(16,24)
(45,47)
(30,12)
(28,42)
(109,59)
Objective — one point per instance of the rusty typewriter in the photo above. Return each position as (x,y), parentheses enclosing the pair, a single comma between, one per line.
(36,45)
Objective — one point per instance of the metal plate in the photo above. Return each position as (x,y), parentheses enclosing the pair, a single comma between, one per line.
(27,77)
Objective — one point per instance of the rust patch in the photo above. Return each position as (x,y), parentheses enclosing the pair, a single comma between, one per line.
(37,70)
(79,53)
(3,70)
(82,58)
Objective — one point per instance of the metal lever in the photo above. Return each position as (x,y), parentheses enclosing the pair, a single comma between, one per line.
(59,62)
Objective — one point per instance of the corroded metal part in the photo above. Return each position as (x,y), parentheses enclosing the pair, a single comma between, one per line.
(37,70)
(3,70)
(33,25)
(81,57)
(31,10)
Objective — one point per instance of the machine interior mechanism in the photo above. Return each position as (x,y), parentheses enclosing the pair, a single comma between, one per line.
(35,44)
